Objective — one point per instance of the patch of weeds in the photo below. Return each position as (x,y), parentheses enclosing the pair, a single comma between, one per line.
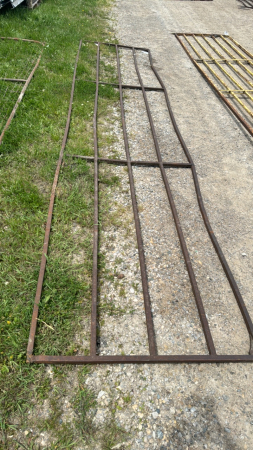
(64,435)
(122,292)
(116,284)
(118,261)
(107,306)
(109,276)
(127,399)
(84,403)
(142,407)
(62,290)
(112,435)
(55,414)
(112,180)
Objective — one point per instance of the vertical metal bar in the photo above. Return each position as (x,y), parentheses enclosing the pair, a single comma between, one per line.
(93,338)
(226,268)
(149,319)
(30,346)
(195,289)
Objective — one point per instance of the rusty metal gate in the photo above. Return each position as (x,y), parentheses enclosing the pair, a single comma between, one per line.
(153,357)
(228,68)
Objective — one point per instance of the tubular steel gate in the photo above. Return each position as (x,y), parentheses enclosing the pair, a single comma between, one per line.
(153,357)
(227,67)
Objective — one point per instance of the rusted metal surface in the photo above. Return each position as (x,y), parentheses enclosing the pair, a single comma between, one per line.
(142,359)
(128,86)
(93,339)
(144,278)
(19,80)
(23,40)
(199,303)
(124,162)
(229,275)
(30,346)
(227,67)
(153,357)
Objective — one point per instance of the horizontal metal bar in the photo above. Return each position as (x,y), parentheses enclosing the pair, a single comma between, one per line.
(200,34)
(123,162)
(127,86)
(224,60)
(109,44)
(236,90)
(18,80)
(227,74)
(140,359)
(23,40)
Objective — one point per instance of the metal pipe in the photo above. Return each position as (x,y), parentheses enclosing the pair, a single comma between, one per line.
(226,268)
(18,80)
(153,357)
(24,40)
(218,78)
(144,278)
(231,55)
(236,49)
(127,86)
(208,79)
(93,338)
(142,359)
(30,346)
(124,162)
(224,71)
(195,289)
(109,44)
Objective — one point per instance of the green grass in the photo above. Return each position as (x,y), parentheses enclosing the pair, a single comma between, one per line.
(28,159)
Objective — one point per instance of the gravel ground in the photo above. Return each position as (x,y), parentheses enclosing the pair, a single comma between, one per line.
(183,406)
